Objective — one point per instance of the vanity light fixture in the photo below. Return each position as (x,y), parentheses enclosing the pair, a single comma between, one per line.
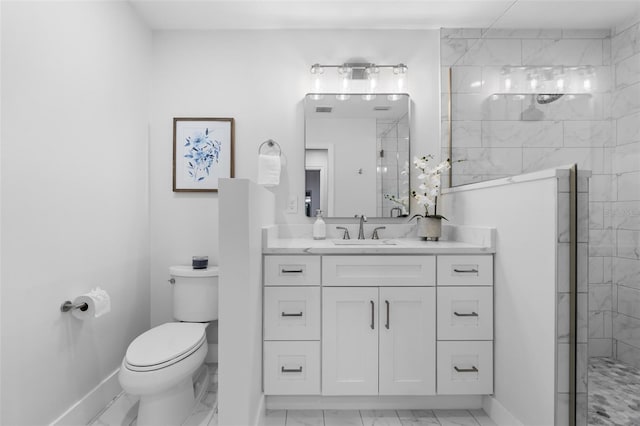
(359,77)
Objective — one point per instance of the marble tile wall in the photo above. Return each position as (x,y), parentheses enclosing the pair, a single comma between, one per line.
(487,128)
(622,219)
(563,300)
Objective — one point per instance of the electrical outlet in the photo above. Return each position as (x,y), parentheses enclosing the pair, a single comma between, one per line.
(292,204)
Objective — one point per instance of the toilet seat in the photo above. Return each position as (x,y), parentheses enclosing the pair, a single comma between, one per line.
(164,345)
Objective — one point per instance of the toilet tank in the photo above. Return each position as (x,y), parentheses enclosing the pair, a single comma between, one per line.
(195,293)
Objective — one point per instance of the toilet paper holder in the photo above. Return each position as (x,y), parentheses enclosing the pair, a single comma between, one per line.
(68,305)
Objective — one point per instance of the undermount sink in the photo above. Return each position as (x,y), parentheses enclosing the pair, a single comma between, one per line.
(364,242)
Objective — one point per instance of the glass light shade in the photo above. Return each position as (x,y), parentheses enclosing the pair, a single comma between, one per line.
(373,74)
(317,78)
(400,76)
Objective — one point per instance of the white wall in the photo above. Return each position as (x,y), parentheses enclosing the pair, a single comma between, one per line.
(75,81)
(259,78)
(525,218)
(244,208)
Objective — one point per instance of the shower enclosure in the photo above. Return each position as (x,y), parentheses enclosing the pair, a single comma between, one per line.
(518,101)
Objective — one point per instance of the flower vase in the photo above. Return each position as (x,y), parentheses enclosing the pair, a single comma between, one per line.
(430,228)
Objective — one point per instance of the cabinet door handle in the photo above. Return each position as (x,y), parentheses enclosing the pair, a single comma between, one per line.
(473,369)
(465,271)
(291,370)
(299,314)
(292,271)
(388,321)
(472,314)
(372,314)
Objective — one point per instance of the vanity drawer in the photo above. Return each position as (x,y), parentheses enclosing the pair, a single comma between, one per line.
(292,313)
(378,270)
(465,313)
(292,368)
(465,270)
(291,270)
(465,368)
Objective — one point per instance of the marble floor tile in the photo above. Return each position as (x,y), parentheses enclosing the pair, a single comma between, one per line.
(455,418)
(342,418)
(305,418)
(418,418)
(275,417)
(380,418)
(614,393)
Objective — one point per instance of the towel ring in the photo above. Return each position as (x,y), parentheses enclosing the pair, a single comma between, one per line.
(270,143)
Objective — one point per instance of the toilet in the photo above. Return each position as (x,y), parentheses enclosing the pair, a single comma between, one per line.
(163,364)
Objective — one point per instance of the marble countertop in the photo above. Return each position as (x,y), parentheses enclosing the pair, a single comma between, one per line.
(400,246)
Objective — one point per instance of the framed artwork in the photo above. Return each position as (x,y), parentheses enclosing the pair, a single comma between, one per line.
(202,153)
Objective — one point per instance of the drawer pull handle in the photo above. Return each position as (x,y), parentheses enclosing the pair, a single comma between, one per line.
(388,322)
(292,271)
(291,370)
(466,370)
(472,314)
(465,271)
(372,314)
(299,314)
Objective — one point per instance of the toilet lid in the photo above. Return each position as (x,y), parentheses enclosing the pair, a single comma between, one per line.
(165,343)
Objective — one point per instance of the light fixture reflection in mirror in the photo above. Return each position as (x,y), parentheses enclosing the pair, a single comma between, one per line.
(357,155)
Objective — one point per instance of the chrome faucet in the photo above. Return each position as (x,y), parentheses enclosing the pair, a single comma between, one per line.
(363,219)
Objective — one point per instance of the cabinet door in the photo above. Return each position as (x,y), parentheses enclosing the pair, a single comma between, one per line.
(350,341)
(407,341)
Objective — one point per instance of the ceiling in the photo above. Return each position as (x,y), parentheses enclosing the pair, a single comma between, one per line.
(383,14)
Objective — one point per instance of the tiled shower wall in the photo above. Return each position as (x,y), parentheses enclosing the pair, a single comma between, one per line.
(621,221)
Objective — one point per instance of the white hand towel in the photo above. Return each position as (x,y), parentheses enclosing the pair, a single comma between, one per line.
(268,170)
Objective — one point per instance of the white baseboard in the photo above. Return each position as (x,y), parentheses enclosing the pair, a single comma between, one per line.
(90,405)
(373,402)
(500,415)
(212,353)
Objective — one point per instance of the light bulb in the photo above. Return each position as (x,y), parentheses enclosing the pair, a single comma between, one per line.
(372,77)
(345,83)
(507,83)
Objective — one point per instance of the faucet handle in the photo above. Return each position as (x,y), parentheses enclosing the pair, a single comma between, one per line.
(375,232)
(345,236)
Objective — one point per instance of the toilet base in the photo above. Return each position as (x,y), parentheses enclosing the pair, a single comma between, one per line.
(170,407)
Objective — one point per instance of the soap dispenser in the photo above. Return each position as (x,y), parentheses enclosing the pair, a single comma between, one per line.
(319,227)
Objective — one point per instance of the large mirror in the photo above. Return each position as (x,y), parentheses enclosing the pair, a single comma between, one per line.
(357,154)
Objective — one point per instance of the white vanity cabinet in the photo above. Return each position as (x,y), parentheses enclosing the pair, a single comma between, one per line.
(465,324)
(378,324)
(378,341)
(291,325)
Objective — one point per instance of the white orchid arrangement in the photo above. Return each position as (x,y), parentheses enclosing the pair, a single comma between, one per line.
(429,188)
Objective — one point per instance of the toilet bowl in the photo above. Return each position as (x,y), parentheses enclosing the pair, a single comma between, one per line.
(160,365)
